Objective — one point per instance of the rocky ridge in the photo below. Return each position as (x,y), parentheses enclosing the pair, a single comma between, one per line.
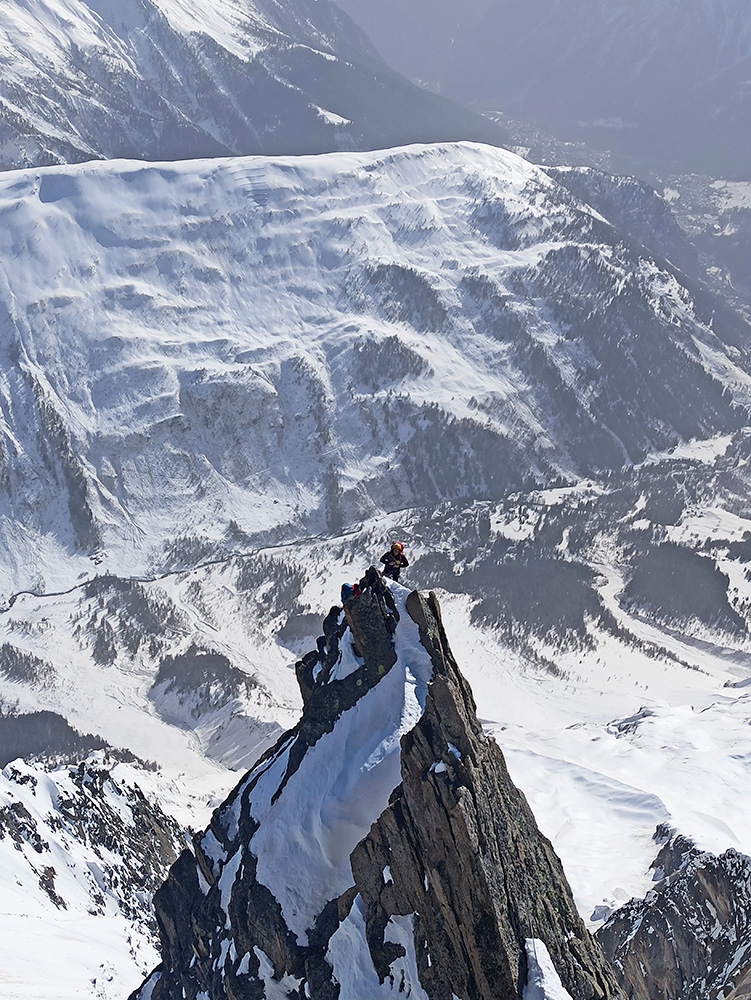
(690,936)
(432,889)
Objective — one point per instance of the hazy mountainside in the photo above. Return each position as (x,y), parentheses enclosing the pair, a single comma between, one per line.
(716,216)
(410,864)
(702,224)
(160,79)
(227,353)
(664,82)
(635,209)
(712,213)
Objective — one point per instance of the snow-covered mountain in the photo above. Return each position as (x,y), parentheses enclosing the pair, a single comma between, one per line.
(236,379)
(408,863)
(162,79)
(716,216)
(658,935)
(664,81)
(201,357)
(82,851)
(225,385)
(613,703)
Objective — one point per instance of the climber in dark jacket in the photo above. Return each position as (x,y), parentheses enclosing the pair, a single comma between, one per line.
(394,561)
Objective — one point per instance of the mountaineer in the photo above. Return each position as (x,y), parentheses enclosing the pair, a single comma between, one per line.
(349,590)
(394,561)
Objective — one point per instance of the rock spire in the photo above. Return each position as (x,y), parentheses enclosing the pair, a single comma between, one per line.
(380,847)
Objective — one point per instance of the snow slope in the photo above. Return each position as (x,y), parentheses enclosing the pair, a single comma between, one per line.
(81,854)
(163,79)
(208,353)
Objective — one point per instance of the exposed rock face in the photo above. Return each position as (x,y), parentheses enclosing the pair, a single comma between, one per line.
(465,855)
(422,871)
(690,937)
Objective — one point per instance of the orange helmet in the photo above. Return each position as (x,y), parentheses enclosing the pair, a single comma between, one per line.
(398,546)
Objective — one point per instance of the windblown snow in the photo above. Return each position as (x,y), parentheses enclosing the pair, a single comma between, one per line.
(237,380)
(340,789)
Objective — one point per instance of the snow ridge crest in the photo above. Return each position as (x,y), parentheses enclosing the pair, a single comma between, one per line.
(379,847)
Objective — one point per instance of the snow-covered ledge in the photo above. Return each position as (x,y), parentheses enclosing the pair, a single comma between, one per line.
(543,982)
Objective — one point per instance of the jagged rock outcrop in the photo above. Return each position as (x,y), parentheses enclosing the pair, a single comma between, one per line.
(690,937)
(84,838)
(464,854)
(379,847)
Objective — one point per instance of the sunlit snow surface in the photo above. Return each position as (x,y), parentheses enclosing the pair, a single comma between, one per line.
(353,968)
(339,790)
(543,982)
(127,287)
(72,941)
(209,334)
(134,289)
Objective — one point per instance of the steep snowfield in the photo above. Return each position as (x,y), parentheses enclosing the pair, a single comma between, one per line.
(221,376)
(339,790)
(80,857)
(212,352)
